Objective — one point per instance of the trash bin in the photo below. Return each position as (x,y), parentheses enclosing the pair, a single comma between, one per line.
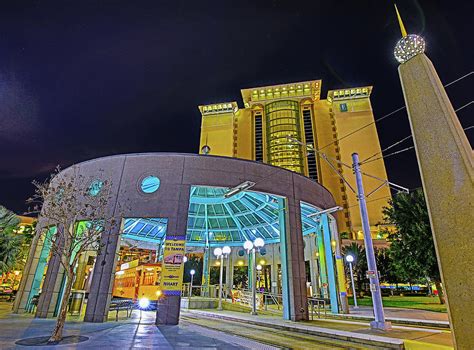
(77,299)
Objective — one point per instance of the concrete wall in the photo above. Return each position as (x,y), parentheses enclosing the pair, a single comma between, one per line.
(178,172)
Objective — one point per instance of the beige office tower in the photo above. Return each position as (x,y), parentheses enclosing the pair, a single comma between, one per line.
(282,124)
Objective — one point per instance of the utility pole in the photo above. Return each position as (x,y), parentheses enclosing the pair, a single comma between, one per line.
(372,273)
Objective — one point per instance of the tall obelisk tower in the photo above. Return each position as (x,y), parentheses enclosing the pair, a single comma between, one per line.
(446,163)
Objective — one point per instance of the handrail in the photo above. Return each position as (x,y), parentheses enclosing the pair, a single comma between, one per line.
(319,303)
(316,306)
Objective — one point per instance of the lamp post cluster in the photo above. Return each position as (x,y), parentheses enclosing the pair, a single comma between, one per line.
(221,253)
(252,248)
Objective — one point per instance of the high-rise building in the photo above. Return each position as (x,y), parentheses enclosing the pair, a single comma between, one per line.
(288,125)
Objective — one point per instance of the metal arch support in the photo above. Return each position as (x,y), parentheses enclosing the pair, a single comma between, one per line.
(236,220)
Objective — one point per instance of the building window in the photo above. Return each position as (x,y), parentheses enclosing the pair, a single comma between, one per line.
(283,123)
(309,135)
(150,184)
(343,107)
(258,139)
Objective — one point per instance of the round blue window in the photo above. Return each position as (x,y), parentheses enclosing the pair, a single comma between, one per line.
(95,187)
(150,184)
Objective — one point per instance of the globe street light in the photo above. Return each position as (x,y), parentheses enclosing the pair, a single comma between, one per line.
(350,260)
(192,272)
(221,253)
(250,247)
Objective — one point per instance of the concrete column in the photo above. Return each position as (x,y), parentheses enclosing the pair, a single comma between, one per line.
(229,272)
(103,275)
(51,288)
(295,263)
(446,163)
(206,266)
(313,264)
(169,306)
(250,271)
(51,285)
(28,276)
(274,269)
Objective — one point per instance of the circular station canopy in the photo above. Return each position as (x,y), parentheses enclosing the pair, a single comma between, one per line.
(214,219)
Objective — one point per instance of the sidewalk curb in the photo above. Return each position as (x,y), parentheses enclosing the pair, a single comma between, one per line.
(403,321)
(365,339)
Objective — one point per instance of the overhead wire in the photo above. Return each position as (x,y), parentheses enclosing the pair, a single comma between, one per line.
(392,113)
(369,159)
(388,155)
(363,127)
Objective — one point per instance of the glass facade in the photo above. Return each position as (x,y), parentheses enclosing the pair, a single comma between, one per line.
(309,136)
(258,138)
(283,121)
(222,221)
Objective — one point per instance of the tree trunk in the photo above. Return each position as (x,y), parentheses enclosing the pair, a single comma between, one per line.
(439,287)
(61,320)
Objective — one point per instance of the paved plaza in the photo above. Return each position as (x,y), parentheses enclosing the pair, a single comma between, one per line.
(359,332)
(210,329)
(134,333)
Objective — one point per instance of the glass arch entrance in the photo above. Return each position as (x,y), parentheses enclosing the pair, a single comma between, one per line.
(216,221)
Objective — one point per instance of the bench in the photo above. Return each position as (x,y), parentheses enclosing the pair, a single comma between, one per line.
(121,304)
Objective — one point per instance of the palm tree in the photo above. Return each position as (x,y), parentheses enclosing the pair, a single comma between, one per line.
(10,248)
(10,243)
(359,265)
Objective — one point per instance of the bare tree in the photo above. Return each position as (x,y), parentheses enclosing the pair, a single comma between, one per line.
(64,200)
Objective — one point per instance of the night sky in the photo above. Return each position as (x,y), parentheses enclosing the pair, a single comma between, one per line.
(84,79)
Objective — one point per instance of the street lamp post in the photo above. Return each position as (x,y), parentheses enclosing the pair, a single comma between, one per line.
(221,253)
(192,272)
(350,260)
(252,248)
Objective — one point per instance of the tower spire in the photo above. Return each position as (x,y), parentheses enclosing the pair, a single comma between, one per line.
(400,22)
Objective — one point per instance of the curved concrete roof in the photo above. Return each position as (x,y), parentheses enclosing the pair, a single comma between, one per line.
(191,198)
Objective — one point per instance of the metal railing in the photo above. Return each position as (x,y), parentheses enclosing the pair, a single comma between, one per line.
(211,291)
(316,306)
(271,302)
(267,301)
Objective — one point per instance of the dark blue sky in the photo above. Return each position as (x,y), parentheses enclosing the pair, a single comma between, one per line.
(83,79)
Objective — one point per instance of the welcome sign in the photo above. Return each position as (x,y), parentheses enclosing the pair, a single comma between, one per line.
(173,265)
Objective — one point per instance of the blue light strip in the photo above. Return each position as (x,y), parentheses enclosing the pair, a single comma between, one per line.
(285,283)
(329,264)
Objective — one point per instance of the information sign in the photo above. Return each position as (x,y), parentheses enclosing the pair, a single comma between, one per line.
(173,265)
